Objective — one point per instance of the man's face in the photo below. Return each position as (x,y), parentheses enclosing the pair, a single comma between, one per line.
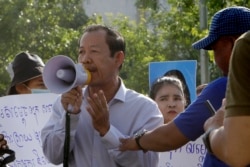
(95,55)
(222,51)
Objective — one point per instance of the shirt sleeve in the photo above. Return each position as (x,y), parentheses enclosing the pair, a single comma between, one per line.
(53,133)
(238,85)
(150,118)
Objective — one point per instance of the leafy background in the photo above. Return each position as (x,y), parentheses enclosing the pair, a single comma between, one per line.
(53,27)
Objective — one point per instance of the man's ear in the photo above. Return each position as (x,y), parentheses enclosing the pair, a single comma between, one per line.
(119,58)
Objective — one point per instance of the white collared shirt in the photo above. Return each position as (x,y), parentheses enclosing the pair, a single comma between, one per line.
(129,113)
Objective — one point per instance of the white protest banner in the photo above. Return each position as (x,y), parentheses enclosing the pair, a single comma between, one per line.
(192,155)
(22,118)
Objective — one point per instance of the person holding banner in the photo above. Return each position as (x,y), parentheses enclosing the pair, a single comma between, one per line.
(26,74)
(6,155)
(227,25)
(229,139)
(168,92)
(3,142)
(102,111)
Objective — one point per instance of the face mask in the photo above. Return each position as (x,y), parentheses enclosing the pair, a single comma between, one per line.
(34,91)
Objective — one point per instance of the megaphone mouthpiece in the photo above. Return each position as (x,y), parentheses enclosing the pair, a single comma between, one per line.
(68,75)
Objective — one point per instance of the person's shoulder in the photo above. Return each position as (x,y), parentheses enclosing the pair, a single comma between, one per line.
(130,93)
(245,35)
(218,81)
(216,86)
(141,103)
(243,40)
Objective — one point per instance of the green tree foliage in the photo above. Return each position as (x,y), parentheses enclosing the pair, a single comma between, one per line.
(44,27)
(164,34)
(159,35)
(53,27)
(142,47)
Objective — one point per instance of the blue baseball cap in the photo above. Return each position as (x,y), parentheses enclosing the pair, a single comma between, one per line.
(229,21)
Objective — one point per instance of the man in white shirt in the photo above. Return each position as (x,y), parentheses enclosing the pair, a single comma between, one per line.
(103,111)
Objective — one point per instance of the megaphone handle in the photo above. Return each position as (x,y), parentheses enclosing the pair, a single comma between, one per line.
(70,108)
(67,141)
(67,137)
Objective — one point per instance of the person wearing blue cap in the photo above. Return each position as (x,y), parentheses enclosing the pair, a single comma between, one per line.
(227,25)
(235,109)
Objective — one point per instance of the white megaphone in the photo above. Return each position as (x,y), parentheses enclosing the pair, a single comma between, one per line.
(61,74)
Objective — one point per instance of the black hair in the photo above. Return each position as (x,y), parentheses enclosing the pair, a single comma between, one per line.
(165,80)
(179,75)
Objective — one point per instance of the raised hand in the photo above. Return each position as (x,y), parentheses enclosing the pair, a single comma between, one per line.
(3,142)
(99,111)
(72,100)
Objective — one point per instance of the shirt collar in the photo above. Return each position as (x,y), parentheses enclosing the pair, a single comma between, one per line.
(120,94)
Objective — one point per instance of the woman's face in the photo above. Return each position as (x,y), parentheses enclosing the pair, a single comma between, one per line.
(34,83)
(171,101)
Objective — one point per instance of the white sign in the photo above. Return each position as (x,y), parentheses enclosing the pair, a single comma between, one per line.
(21,118)
(190,155)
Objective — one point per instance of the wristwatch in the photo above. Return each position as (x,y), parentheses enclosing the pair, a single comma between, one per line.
(206,141)
(137,138)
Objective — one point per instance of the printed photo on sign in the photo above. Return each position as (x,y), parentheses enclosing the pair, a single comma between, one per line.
(185,70)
